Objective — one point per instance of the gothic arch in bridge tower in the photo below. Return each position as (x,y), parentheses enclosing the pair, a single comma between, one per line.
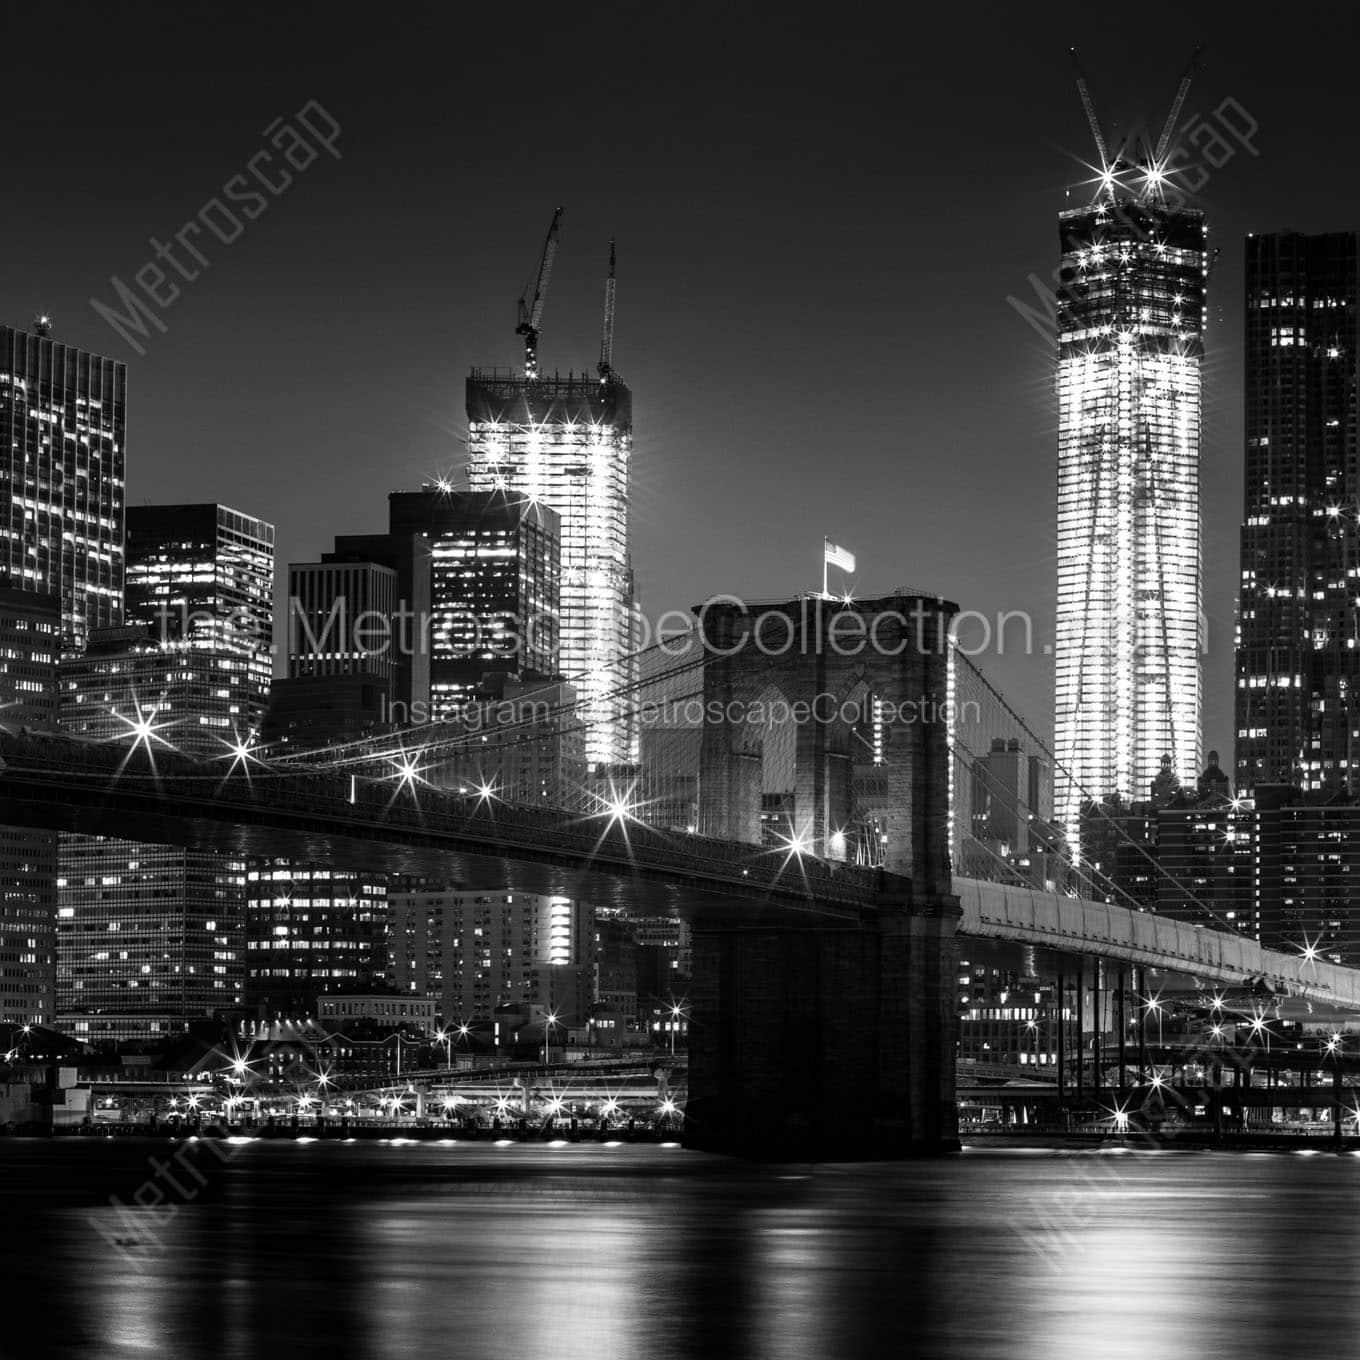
(855,762)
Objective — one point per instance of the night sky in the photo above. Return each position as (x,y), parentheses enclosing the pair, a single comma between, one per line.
(820,217)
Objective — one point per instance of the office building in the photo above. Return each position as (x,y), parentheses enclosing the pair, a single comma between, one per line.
(566,443)
(30,629)
(358,658)
(495,587)
(1127,643)
(63,418)
(200,580)
(125,686)
(311,930)
(62,446)
(1298,653)
(520,741)
(481,950)
(149,938)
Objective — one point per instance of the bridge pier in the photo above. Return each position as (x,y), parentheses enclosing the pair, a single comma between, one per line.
(826,1042)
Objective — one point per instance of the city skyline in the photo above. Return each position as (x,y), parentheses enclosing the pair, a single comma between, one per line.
(449,292)
(475,870)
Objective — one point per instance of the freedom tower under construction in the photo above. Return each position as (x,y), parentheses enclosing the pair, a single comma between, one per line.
(565,442)
(1130,323)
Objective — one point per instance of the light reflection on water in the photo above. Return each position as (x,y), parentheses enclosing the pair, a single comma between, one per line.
(601,1252)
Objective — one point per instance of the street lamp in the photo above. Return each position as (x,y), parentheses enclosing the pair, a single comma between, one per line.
(549,1021)
(677,1011)
(441,1036)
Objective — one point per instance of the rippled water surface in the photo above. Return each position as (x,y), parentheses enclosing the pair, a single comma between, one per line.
(335,1250)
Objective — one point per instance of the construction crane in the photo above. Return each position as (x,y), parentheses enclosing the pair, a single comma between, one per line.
(1091,114)
(531,313)
(1176,105)
(606,365)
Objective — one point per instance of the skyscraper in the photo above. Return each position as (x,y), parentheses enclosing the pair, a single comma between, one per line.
(149,936)
(565,442)
(30,630)
(62,435)
(1298,645)
(201,578)
(1127,642)
(311,929)
(495,587)
(480,950)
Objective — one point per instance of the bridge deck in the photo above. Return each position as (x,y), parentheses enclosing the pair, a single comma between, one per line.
(1076,926)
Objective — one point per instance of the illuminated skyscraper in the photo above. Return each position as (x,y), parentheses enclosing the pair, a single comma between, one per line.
(479,950)
(149,936)
(495,565)
(62,435)
(62,432)
(565,442)
(200,579)
(1298,646)
(311,929)
(30,629)
(1127,644)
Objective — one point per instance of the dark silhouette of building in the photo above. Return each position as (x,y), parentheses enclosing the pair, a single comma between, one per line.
(495,585)
(1298,657)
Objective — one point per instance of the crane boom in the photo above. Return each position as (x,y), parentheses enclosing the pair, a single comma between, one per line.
(531,313)
(606,364)
(1176,105)
(1090,113)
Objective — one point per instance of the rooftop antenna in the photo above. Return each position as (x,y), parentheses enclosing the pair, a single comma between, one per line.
(606,365)
(531,313)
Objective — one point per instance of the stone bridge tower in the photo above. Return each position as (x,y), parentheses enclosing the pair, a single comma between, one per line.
(822,1037)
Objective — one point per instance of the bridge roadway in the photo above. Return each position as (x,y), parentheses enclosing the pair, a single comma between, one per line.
(1071,925)
(55,783)
(313,815)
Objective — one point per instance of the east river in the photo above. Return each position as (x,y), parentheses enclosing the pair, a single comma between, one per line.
(533,1252)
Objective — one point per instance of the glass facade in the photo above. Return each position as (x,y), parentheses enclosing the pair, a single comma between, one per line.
(201,703)
(62,440)
(566,442)
(480,950)
(311,929)
(62,450)
(201,579)
(1127,643)
(495,587)
(149,938)
(336,620)
(1298,646)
